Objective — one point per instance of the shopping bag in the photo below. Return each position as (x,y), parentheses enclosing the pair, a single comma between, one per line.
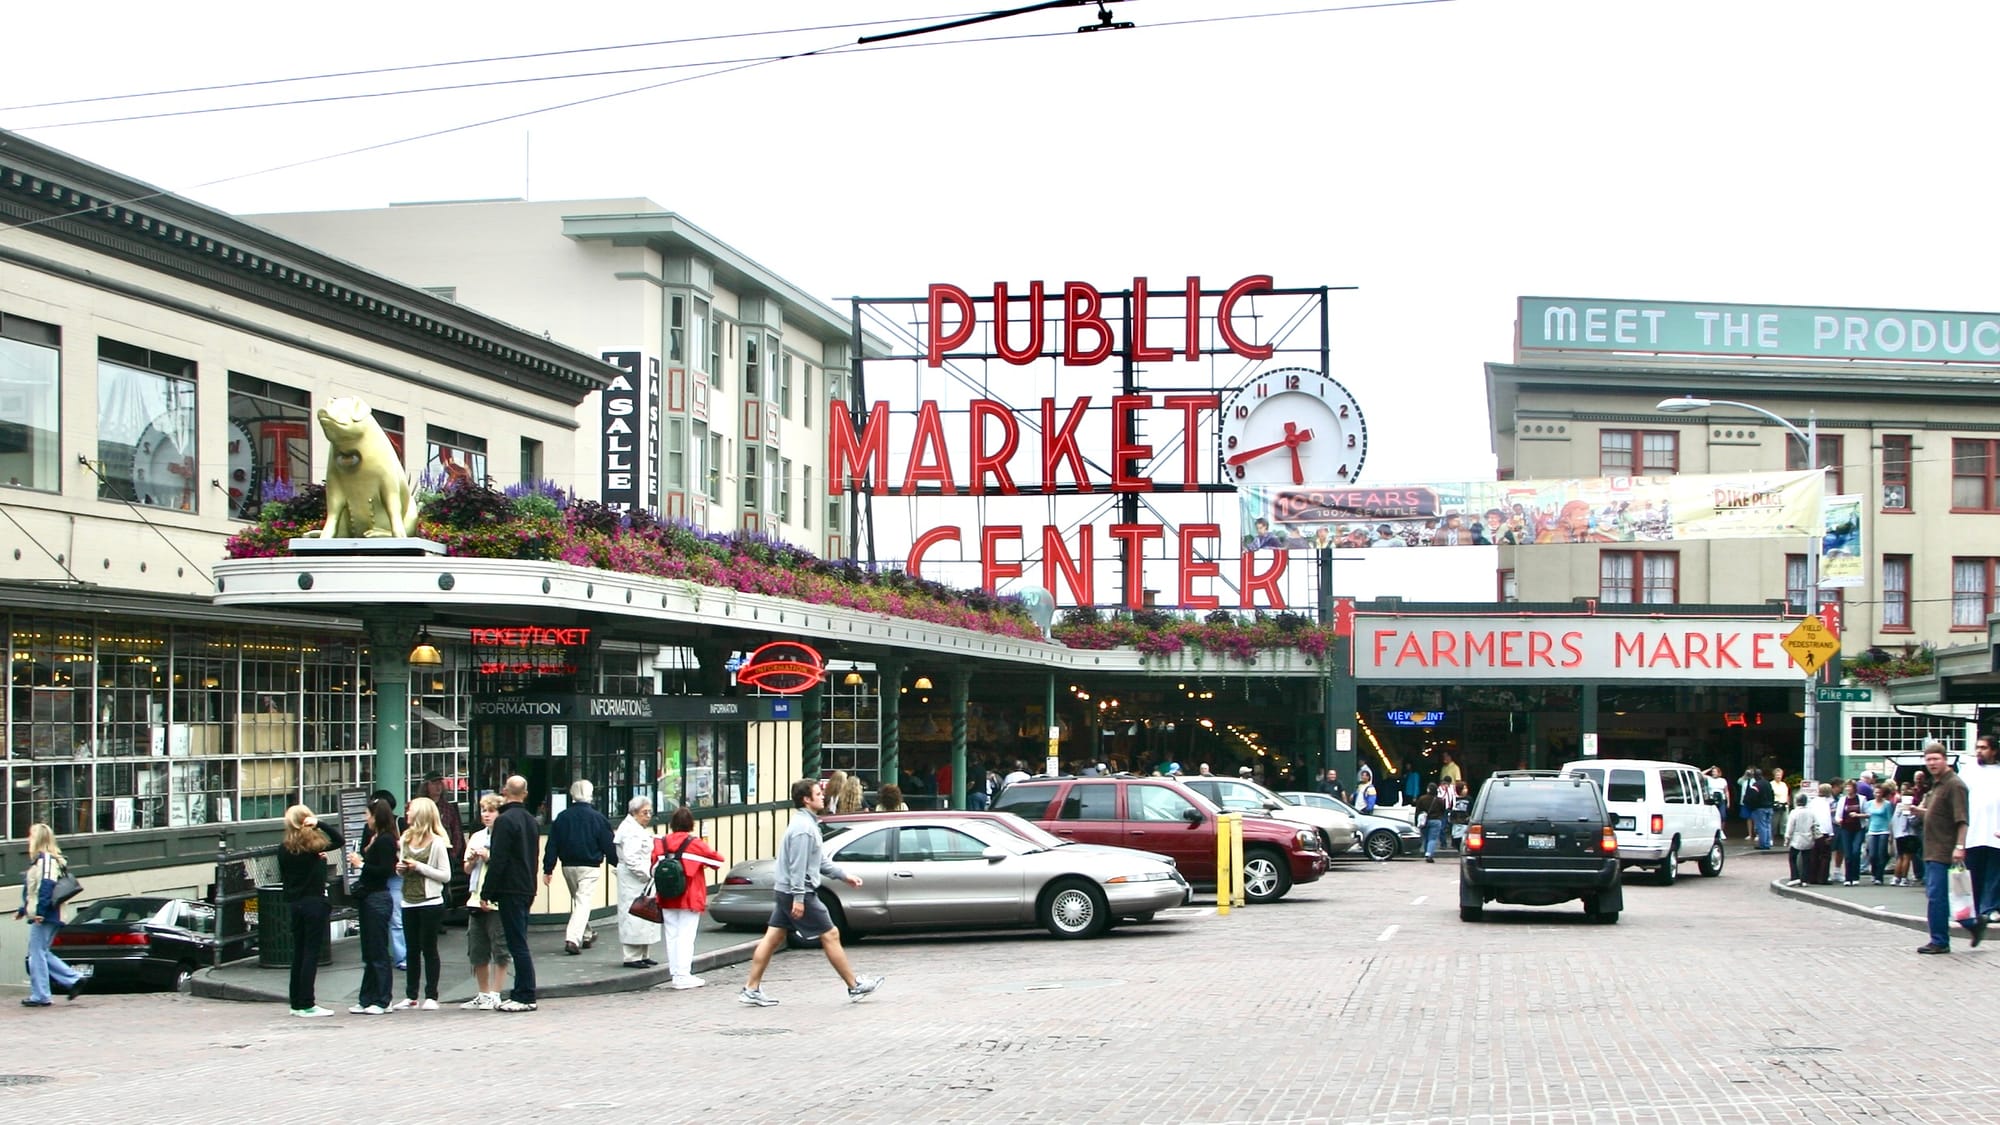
(1959,886)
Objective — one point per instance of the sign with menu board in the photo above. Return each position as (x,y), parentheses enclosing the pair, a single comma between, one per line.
(353,833)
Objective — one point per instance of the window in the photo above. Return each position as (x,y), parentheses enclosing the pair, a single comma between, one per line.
(806,395)
(30,404)
(713,757)
(1972,475)
(1541,800)
(1157,802)
(676,329)
(1028,801)
(1829,459)
(714,467)
(1090,802)
(1625,453)
(699,346)
(270,441)
(806,491)
(753,457)
(1895,472)
(392,427)
(1879,736)
(531,460)
(785,385)
(1895,593)
(783,502)
(677,453)
(1796,579)
(453,457)
(1651,577)
(872,848)
(753,371)
(936,844)
(1971,592)
(1679,787)
(1510,587)
(715,332)
(146,426)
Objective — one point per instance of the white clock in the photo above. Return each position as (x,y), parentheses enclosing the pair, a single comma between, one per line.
(1291,426)
(163,474)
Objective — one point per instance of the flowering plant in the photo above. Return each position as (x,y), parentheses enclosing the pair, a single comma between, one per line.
(1879,666)
(541,521)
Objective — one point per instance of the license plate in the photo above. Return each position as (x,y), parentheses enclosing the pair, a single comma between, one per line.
(85,970)
(1542,843)
(1628,823)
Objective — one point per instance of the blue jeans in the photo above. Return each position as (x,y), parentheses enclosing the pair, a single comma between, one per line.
(1937,897)
(1878,854)
(43,965)
(1760,819)
(398,947)
(978,800)
(1847,841)
(1434,830)
(377,977)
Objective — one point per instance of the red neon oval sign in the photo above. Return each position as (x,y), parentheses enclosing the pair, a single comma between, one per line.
(784,667)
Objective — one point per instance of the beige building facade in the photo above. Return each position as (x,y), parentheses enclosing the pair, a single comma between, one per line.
(731,368)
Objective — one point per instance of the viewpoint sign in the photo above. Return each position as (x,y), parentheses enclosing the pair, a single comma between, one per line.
(1591,324)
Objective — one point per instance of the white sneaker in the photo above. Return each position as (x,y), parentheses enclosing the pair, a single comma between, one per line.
(357,1010)
(482,1002)
(374,1010)
(688,982)
(402,1005)
(428,1006)
(313,1012)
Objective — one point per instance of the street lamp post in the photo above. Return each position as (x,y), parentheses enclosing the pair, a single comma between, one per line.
(1810,439)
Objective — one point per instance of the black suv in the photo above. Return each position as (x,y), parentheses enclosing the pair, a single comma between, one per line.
(1539,838)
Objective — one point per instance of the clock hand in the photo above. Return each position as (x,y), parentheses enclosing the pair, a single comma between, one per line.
(1294,437)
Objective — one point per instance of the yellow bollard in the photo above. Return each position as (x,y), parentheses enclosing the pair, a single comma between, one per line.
(1236,856)
(1223,870)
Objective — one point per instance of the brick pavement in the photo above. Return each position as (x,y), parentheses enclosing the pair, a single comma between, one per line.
(1712,1001)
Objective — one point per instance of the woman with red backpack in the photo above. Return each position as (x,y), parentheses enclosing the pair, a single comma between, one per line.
(681,907)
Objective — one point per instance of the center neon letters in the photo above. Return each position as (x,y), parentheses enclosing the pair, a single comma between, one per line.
(1087,337)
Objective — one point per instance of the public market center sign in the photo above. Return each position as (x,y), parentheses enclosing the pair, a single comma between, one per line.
(1591,324)
(1412,647)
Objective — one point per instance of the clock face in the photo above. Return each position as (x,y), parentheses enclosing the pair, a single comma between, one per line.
(1291,426)
(163,473)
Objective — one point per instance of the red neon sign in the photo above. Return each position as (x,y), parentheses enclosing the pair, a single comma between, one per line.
(531,636)
(784,667)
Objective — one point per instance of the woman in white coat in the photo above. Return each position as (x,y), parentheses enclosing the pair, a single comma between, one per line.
(635,871)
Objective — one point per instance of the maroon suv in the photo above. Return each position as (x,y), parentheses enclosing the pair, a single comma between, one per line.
(1158,814)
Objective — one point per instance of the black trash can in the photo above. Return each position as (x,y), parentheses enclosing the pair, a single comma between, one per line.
(274,928)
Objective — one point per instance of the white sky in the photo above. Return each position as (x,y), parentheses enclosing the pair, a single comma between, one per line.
(1444,158)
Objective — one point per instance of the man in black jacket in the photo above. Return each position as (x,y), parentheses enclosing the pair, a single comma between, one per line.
(1757,808)
(581,839)
(510,882)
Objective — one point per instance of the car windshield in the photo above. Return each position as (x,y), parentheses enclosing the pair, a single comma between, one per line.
(120,910)
(1029,832)
(1542,801)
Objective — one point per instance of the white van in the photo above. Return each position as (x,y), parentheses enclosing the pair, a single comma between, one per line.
(1664,815)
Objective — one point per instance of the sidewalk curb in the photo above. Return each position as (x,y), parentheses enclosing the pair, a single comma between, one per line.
(208,988)
(1805,894)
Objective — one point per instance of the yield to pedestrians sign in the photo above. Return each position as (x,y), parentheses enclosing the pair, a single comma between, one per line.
(1812,644)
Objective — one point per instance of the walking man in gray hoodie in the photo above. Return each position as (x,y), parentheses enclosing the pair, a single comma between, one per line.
(797,906)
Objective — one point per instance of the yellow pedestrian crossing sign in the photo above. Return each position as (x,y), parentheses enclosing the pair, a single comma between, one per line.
(1812,644)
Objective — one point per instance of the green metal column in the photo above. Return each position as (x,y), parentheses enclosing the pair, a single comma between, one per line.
(1586,717)
(1053,731)
(890,684)
(812,705)
(961,681)
(389,640)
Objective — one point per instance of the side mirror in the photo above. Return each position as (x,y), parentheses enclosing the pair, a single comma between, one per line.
(1272,806)
(1192,816)
(994,855)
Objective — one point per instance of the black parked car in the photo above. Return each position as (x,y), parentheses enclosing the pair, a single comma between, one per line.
(1539,838)
(145,942)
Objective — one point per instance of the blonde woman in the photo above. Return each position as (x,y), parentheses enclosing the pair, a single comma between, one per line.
(836,782)
(424,862)
(46,866)
(302,868)
(851,794)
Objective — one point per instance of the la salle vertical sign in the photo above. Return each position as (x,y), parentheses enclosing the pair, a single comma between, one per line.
(622,419)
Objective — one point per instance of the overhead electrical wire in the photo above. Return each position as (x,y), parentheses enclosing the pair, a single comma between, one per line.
(835,48)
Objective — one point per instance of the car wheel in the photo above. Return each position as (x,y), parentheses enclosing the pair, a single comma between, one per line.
(1266,876)
(184,977)
(1670,868)
(1382,845)
(1075,909)
(1711,864)
(1470,913)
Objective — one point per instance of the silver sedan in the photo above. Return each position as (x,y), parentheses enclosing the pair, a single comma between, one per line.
(941,871)
(1380,837)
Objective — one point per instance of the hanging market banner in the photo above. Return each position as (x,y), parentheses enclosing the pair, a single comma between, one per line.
(1767,505)
(1840,544)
